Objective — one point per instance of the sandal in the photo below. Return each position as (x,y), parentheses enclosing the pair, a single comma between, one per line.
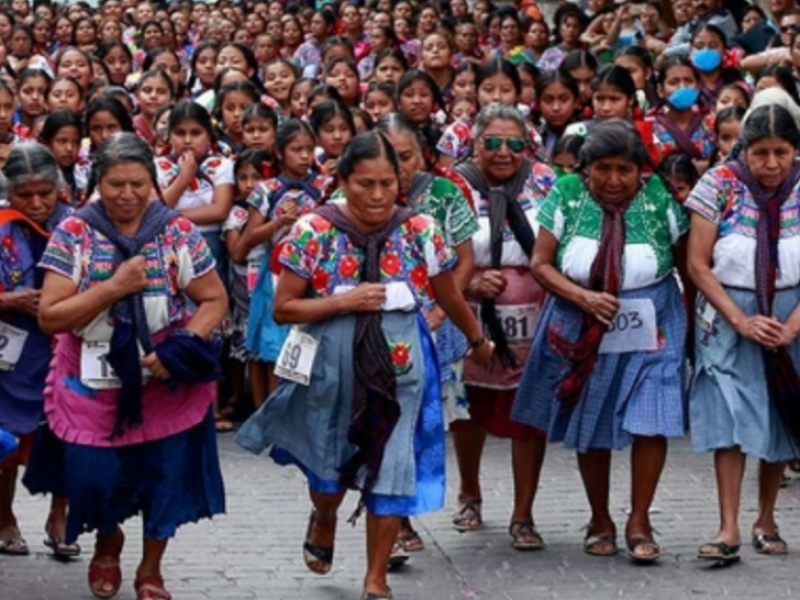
(721,552)
(60,548)
(764,543)
(15,546)
(525,536)
(409,538)
(398,557)
(105,569)
(316,555)
(373,596)
(151,587)
(593,543)
(468,517)
(637,543)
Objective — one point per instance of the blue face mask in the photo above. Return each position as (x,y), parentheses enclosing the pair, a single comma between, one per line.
(706,60)
(683,98)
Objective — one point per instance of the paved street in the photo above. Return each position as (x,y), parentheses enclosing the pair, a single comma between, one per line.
(253,552)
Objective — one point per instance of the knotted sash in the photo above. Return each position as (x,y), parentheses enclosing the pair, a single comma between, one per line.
(683,137)
(783,382)
(503,208)
(604,276)
(129,316)
(375,409)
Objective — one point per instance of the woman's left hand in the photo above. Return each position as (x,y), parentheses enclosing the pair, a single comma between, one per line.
(483,353)
(435,317)
(151,363)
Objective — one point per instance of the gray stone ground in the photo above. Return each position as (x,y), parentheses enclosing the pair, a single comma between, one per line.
(253,552)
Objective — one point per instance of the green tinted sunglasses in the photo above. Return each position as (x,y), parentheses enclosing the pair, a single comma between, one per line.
(493,143)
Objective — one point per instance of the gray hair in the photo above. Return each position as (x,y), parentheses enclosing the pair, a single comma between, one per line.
(615,138)
(30,162)
(397,123)
(121,148)
(776,96)
(497,110)
(769,120)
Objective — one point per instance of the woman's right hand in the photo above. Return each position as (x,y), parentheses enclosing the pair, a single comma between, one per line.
(131,276)
(366,297)
(488,284)
(766,331)
(600,305)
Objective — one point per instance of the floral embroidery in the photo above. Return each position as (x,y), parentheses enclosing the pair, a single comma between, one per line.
(401,357)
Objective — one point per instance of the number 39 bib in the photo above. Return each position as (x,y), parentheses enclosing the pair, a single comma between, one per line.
(633,329)
(297,357)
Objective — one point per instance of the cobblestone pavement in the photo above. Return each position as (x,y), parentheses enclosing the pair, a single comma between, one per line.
(253,552)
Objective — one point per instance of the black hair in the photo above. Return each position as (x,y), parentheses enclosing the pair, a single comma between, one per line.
(253,157)
(563,13)
(327,91)
(645,60)
(579,58)
(105,47)
(767,121)
(496,66)
(153,73)
(366,146)
(394,53)
(726,115)
(332,42)
(409,77)
(549,78)
(382,87)
(326,111)
(288,131)
(199,49)
(154,53)
(57,120)
(729,74)
(570,144)
(186,110)
(250,59)
(112,106)
(676,61)
(679,166)
(143,28)
(617,77)
(236,86)
(261,111)
(785,77)
(71,80)
(360,113)
(30,73)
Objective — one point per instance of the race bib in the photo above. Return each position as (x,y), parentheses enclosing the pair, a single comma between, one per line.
(12,341)
(253,267)
(705,313)
(633,329)
(96,373)
(518,321)
(297,357)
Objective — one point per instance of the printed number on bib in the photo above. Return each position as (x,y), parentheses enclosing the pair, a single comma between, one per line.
(96,373)
(297,357)
(518,321)
(705,313)
(633,329)
(12,341)
(253,266)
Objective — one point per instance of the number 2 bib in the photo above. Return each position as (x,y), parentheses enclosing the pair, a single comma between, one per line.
(633,329)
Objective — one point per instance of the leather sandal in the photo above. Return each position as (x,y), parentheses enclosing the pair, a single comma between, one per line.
(314,554)
(105,569)
(636,543)
(720,552)
(524,536)
(151,587)
(373,596)
(593,542)
(765,543)
(468,517)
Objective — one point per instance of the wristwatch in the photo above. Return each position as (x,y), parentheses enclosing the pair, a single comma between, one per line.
(477,343)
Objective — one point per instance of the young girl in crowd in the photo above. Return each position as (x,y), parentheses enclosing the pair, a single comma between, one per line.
(558,103)
(259,124)
(390,66)
(279,75)
(33,86)
(464,80)
(245,264)
(333,126)
(639,63)
(582,65)
(714,61)
(273,207)
(203,67)
(195,179)
(65,92)
(342,74)
(379,100)
(680,126)
(61,133)
(566,154)
(679,170)
(464,110)
(154,90)
(232,101)
(298,97)
(733,94)
(727,126)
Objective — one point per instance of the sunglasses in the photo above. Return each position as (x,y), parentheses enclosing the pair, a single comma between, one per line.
(790,29)
(492,143)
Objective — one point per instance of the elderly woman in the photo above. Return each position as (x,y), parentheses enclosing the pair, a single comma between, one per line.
(33,181)
(607,365)
(508,191)
(360,405)
(131,384)
(743,248)
(441,199)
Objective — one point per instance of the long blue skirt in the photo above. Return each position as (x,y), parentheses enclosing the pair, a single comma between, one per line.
(729,403)
(171,482)
(264,337)
(637,393)
(329,432)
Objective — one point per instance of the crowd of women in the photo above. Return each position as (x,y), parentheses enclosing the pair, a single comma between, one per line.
(386,220)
